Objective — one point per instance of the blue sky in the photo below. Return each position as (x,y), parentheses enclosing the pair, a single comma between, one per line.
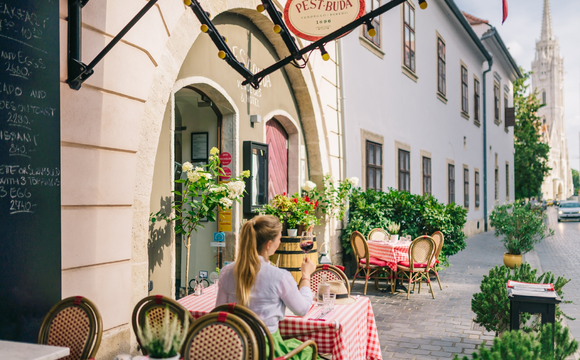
(520,32)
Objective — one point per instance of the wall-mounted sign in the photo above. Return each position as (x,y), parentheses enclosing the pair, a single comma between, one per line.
(217,244)
(227,172)
(225,158)
(314,19)
(203,274)
(219,236)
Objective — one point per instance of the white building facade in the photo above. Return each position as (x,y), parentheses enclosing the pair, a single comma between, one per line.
(548,81)
(414,107)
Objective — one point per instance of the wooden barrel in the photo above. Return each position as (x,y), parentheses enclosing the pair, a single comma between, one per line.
(291,255)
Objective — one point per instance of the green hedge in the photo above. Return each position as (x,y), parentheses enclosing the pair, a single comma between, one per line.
(417,214)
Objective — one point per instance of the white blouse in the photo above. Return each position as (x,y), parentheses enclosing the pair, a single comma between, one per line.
(273,290)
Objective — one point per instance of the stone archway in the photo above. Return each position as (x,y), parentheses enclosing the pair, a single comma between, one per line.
(164,82)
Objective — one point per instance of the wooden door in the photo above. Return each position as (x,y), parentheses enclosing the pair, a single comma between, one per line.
(277,140)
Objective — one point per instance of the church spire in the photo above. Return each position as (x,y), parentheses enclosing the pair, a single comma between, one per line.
(547,22)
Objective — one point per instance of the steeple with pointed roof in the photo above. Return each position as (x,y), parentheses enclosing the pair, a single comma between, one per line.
(548,80)
(546,23)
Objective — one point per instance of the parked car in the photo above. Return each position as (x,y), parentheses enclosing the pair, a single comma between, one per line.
(550,202)
(568,210)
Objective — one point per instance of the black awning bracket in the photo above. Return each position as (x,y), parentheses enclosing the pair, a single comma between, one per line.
(78,72)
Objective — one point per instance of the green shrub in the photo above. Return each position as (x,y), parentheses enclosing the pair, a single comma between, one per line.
(518,345)
(521,226)
(492,306)
(417,214)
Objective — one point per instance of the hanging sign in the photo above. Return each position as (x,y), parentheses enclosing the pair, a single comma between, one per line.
(314,19)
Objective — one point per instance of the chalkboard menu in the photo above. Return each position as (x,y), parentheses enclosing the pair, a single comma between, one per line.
(30,220)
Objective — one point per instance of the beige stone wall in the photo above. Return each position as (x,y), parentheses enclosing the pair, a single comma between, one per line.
(110,137)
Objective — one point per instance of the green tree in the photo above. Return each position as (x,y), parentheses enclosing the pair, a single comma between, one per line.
(576,180)
(531,153)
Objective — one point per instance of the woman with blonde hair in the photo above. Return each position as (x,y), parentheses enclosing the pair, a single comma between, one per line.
(267,290)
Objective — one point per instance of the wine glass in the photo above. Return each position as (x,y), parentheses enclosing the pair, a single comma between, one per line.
(306,242)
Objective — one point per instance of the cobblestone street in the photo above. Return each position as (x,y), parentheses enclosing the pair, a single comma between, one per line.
(426,328)
(560,254)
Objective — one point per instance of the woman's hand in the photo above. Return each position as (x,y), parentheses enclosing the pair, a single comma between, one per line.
(307,267)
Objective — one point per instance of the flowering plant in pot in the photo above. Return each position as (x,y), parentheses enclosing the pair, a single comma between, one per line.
(201,194)
(281,206)
(393,229)
(522,228)
(304,215)
(163,340)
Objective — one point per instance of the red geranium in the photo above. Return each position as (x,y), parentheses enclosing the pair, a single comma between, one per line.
(306,212)
(296,200)
(307,199)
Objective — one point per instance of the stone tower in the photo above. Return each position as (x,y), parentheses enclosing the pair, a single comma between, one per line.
(548,80)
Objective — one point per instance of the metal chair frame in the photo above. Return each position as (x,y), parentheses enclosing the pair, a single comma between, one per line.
(234,322)
(413,274)
(379,230)
(95,322)
(155,302)
(368,269)
(334,271)
(439,239)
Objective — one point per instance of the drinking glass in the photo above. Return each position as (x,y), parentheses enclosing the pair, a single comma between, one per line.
(329,300)
(306,242)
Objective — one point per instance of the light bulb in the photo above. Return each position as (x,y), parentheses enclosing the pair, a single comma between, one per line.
(187,2)
(277,29)
(325,57)
(225,39)
(372,32)
(423,4)
(204,28)
(260,8)
(222,54)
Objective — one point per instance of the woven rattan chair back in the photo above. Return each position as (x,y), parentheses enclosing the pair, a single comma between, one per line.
(378,234)
(422,250)
(220,335)
(263,337)
(360,247)
(439,240)
(331,272)
(74,323)
(154,307)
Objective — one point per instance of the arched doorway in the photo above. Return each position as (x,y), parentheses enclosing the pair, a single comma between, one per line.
(277,140)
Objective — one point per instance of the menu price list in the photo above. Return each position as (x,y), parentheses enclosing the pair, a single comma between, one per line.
(30,234)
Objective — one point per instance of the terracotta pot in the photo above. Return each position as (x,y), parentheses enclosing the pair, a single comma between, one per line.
(512,260)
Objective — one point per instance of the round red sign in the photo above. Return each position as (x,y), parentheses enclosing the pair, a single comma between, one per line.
(227,173)
(225,158)
(314,19)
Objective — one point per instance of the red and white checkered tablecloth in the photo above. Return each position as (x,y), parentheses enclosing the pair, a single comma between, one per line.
(392,253)
(349,332)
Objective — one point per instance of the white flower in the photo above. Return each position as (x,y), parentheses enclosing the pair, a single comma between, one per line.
(226,203)
(331,179)
(236,189)
(186,167)
(246,173)
(193,176)
(214,151)
(197,168)
(353,181)
(308,186)
(206,175)
(217,189)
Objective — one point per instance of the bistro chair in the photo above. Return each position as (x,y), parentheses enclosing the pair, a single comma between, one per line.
(439,239)
(220,335)
(370,266)
(421,260)
(75,323)
(155,306)
(379,234)
(263,337)
(332,273)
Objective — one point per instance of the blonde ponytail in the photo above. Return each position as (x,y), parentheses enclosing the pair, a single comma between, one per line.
(255,233)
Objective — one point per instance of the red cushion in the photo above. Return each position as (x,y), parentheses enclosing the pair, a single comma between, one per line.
(417,265)
(374,261)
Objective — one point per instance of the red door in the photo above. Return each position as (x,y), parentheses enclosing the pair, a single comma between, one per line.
(277,140)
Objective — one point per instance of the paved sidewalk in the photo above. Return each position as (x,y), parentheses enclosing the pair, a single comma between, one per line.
(426,328)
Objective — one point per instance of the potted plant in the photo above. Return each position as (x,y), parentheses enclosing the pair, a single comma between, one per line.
(393,229)
(202,192)
(304,214)
(282,207)
(522,227)
(162,340)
